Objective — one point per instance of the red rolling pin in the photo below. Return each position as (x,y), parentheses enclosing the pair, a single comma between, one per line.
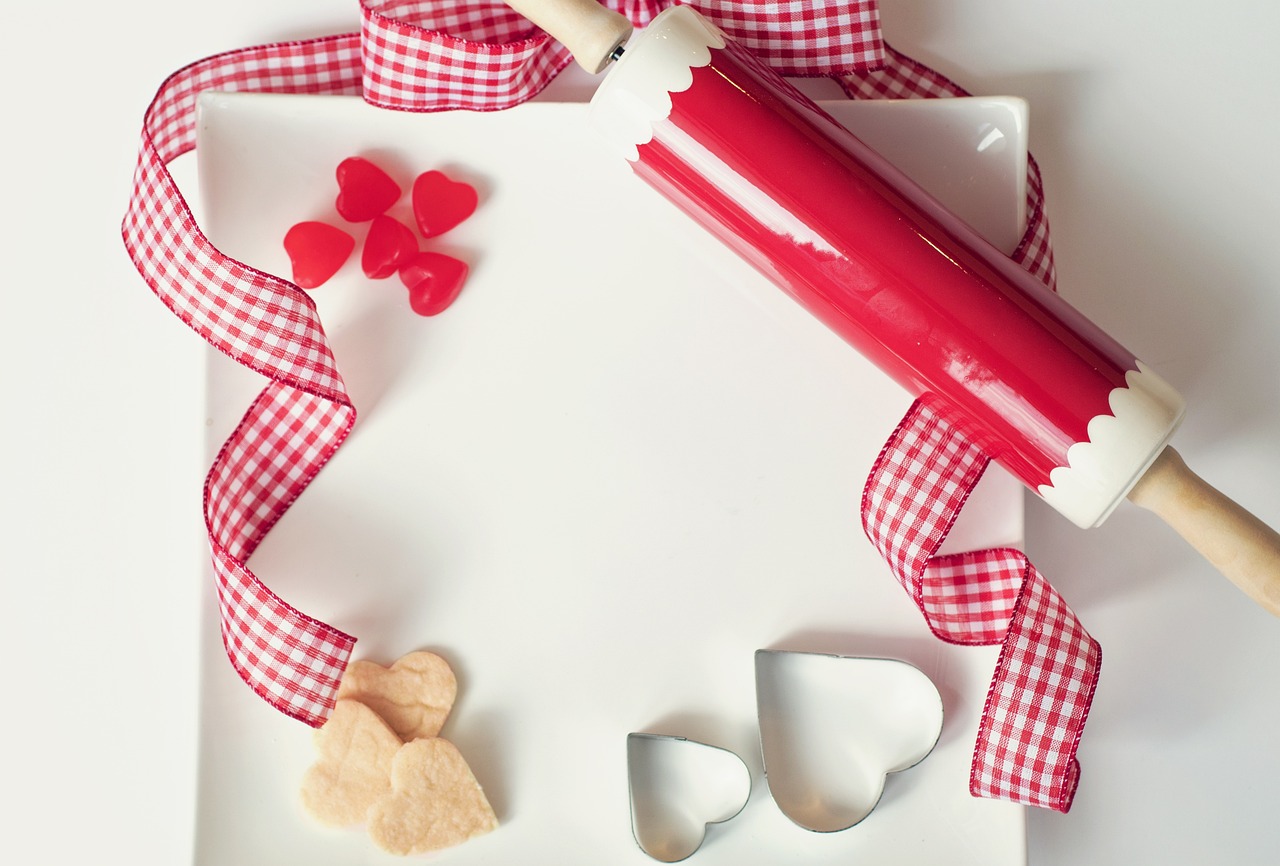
(1050,396)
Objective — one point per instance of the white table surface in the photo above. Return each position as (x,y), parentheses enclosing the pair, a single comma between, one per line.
(1155,126)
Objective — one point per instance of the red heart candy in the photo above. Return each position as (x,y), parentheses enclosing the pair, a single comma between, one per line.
(316,251)
(389,244)
(434,281)
(364,190)
(439,203)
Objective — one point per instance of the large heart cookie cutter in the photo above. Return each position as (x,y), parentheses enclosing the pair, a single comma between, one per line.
(678,788)
(833,728)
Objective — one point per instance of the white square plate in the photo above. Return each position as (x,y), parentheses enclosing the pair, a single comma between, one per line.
(620,464)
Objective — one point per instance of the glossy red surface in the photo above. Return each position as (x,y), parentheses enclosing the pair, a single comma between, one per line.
(316,252)
(434,281)
(388,246)
(440,203)
(364,190)
(883,264)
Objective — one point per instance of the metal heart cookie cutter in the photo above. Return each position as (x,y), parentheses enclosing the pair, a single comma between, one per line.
(679,787)
(833,728)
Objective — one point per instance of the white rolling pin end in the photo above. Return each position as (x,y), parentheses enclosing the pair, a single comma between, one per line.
(1238,544)
(593,34)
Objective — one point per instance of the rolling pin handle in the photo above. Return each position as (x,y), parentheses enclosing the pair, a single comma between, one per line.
(593,34)
(1238,544)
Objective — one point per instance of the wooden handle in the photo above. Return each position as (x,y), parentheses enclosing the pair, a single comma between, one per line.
(591,32)
(1241,546)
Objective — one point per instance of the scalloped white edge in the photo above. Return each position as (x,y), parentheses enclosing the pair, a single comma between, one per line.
(1120,447)
(658,62)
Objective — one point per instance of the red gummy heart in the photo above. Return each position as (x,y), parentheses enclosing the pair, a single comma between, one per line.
(316,251)
(364,190)
(389,244)
(434,281)
(439,203)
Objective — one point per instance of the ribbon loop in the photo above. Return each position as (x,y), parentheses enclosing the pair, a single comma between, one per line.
(268,325)
(433,56)
(1048,668)
(826,37)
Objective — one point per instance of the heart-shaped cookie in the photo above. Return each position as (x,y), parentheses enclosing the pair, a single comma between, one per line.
(832,728)
(435,801)
(389,245)
(364,190)
(413,696)
(434,281)
(354,749)
(316,251)
(678,788)
(440,203)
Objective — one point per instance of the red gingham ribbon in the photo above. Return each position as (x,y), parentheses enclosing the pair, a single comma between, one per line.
(1048,668)
(268,325)
(428,55)
(425,55)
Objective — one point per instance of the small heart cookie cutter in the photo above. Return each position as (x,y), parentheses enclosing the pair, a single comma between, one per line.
(833,728)
(679,787)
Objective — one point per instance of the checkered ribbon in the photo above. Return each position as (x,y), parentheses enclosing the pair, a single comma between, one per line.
(269,325)
(425,55)
(432,55)
(1048,667)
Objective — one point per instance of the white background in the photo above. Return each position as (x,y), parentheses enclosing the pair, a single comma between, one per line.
(1156,129)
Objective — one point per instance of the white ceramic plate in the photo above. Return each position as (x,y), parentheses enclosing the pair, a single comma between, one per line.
(619,465)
